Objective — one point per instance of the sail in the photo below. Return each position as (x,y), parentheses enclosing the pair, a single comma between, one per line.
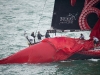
(75,14)
(96,31)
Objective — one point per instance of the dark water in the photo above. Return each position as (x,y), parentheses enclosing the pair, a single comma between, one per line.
(17,16)
(79,67)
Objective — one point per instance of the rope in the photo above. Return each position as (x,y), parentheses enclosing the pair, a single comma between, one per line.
(41,17)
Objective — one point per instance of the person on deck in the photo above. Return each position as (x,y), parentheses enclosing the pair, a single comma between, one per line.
(33,35)
(95,40)
(81,36)
(47,35)
(31,40)
(39,35)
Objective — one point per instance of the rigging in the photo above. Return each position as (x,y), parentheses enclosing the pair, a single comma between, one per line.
(41,16)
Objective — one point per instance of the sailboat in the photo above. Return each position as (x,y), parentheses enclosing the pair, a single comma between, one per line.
(72,15)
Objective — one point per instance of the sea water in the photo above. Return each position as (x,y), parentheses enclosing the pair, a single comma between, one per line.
(17,16)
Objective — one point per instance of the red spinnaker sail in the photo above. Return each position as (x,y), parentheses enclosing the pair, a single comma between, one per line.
(49,50)
(96,30)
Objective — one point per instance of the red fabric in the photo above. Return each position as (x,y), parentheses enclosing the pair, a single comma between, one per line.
(39,53)
(49,50)
(63,43)
(73,2)
(90,52)
(68,45)
(96,30)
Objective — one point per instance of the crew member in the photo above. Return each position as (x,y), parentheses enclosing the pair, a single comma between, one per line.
(30,40)
(47,35)
(39,35)
(95,40)
(81,36)
(33,35)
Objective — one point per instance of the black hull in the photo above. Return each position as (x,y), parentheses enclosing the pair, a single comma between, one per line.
(82,57)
